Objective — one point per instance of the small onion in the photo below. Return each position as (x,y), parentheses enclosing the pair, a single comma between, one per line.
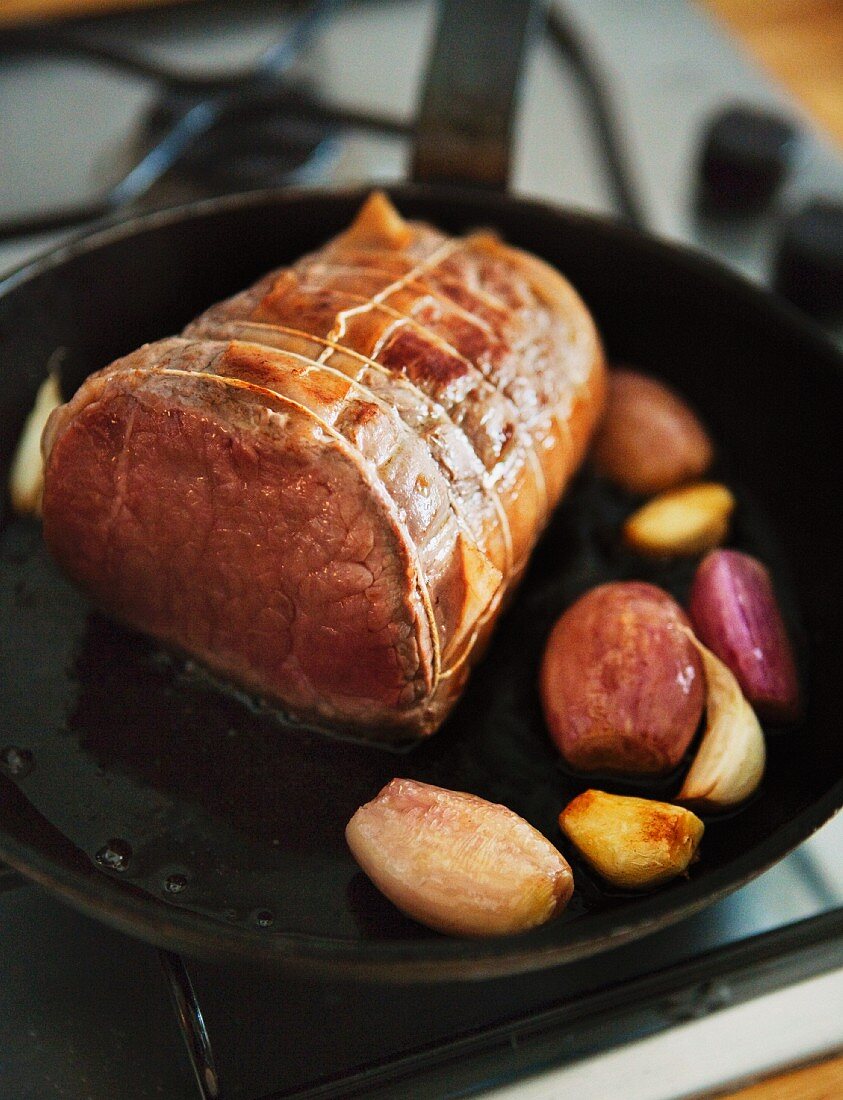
(458,863)
(734,612)
(621,684)
(649,440)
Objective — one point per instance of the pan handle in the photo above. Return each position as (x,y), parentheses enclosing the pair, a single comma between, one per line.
(191,1024)
(470,93)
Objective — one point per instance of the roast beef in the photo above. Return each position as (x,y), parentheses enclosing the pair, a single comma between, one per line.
(325,488)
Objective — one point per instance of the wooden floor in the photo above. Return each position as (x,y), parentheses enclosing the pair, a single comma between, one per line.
(16,11)
(799,42)
(820,1082)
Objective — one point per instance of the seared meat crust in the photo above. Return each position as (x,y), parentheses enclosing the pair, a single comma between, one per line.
(327,486)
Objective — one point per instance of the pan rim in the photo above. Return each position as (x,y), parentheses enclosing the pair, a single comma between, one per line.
(136,913)
(140,915)
(119,227)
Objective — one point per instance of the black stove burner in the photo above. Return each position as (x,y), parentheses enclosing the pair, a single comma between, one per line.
(254,128)
(271,140)
(196,113)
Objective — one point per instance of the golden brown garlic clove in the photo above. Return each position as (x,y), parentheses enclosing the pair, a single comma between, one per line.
(682,522)
(633,843)
(456,862)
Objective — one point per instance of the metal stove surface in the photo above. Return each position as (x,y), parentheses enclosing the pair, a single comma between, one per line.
(83,1010)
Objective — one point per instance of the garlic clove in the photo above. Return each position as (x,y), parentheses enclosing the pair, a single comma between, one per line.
(733,608)
(681,522)
(456,862)
(633,843)
(729,763)
(26,479)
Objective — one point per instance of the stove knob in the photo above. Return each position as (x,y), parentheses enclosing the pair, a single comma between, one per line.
(808,268)
(746,153)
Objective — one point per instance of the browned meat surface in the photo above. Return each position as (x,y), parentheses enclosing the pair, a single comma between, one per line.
(326,487)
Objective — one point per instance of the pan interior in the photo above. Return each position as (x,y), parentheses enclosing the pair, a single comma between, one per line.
(209,803)
(199,796)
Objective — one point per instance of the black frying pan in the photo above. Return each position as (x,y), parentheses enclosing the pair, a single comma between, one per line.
(153,800)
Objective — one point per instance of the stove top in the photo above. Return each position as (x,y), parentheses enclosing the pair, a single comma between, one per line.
(83,1010)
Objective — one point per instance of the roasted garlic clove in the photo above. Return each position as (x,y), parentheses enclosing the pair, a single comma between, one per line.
(633,843)
(26,480)
(456,862)
(682,522)
(729,763)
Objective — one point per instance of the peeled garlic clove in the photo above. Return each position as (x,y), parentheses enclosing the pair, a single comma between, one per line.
(648,439)
(26,480)
(729,764)
(734,611)
(457,863)
(633,843)
(682,522)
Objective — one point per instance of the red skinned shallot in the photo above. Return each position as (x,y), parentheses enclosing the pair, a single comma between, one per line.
(649,440)
(621,683)
(734,612)
(456,862)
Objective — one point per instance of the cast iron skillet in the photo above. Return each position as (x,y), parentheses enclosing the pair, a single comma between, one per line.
(180,813)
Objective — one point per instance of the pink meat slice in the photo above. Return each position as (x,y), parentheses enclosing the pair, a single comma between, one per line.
(231,526)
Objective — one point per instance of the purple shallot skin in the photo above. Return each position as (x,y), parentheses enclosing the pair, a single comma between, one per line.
(734,611)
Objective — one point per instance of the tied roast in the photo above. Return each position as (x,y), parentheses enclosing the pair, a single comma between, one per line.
(325,487)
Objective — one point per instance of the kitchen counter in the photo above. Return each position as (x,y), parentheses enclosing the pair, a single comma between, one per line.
(800,43)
